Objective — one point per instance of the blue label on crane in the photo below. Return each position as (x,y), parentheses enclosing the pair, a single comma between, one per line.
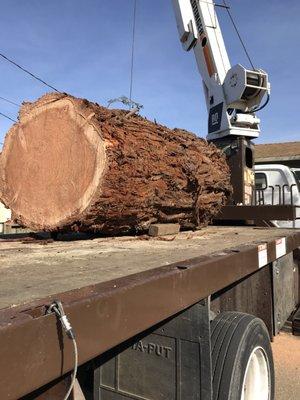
(215,118)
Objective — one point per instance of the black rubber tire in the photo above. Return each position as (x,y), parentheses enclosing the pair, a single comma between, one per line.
(233,337)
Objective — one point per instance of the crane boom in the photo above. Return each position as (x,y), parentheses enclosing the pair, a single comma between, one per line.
(201,23)
(232,94)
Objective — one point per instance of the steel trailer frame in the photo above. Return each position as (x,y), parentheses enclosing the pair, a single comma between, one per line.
(34,352)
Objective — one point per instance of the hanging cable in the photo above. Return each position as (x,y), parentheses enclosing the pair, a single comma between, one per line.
(238,33)
(259,108)
(6,116)
(28,72)
(132,49)
(57,308)
(10,101)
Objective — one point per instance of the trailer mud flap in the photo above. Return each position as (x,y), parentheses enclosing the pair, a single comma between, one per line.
(172,362)
(284,293)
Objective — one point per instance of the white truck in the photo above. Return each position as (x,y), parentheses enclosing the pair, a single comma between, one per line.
(296,172)
(5,215)
(277,184)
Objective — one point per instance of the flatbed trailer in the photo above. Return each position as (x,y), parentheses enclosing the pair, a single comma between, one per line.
(141,309)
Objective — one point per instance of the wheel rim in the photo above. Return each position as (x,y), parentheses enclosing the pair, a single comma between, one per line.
(256,384)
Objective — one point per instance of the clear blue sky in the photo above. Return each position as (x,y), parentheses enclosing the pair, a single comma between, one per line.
(83,47)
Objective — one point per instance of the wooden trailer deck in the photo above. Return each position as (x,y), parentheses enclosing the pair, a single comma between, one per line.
(31,271)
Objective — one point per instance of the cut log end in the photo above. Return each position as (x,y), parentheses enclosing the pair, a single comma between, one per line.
(71,164)
(53,161)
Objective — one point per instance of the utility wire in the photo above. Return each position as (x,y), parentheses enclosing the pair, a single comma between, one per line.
(238,33)
(6,116)
(28,72)
(10,101)
(132,49)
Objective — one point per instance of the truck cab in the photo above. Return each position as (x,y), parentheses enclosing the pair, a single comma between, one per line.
(296,172)
(277,184)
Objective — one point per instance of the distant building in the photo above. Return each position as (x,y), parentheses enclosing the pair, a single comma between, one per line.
(287,153)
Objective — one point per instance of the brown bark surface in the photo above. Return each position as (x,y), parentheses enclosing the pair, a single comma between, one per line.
(72,164)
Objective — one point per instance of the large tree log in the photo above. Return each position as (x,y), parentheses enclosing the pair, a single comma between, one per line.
(72,164)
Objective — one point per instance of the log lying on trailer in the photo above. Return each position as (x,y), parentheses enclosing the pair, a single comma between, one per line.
(70,164)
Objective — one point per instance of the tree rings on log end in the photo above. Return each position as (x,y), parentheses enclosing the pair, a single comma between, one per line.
(52,164)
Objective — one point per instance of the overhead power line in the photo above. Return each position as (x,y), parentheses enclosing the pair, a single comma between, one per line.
(6,116)
(28,72)
(132,49)
(10,101)
(238,34)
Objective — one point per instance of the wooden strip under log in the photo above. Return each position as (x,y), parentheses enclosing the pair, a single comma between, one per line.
(70,164)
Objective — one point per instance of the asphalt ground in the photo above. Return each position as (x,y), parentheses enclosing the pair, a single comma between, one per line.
(286,352)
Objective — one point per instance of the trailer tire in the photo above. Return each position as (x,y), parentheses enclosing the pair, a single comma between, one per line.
(242,361)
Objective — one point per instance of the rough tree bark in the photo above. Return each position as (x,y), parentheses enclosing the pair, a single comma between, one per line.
(70,164)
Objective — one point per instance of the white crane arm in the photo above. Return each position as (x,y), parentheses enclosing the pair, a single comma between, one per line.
(199,29)
(232,94)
